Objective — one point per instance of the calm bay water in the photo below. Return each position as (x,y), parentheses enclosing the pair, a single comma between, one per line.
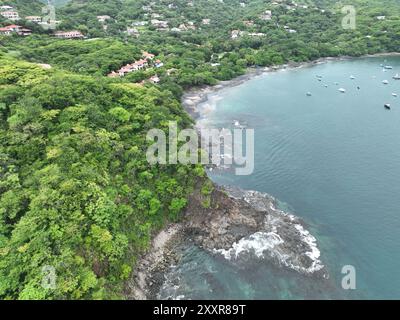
(334,160)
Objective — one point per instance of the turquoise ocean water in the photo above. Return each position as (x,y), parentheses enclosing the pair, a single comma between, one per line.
(332,159)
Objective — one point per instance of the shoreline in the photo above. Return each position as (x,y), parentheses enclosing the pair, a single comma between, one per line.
(152,265)
(194,97)
(153,262)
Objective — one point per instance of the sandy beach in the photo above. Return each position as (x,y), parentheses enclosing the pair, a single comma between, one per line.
(196,96)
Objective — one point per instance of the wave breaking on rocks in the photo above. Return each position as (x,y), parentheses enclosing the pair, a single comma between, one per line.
(248,225)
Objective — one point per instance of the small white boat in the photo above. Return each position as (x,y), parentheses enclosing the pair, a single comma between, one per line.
(388,67)
(326,86)
(387,106)
(236,123)
(352,77)
(309,94)
(385,82)
(394,94)
(342,90)
(396,77)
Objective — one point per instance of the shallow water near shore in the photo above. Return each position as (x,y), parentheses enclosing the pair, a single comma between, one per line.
(331,159)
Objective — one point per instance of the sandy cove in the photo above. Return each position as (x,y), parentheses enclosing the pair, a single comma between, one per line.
(194,97)
(151,262)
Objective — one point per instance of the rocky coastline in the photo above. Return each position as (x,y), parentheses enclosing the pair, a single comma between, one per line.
(237,224)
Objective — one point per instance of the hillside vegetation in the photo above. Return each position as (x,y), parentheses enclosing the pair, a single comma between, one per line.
(76,191)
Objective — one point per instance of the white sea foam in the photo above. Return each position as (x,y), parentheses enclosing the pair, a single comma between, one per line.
(258,243)
(314,252)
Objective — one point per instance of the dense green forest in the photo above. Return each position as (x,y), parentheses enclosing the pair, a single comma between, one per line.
(76,191)
(208,53)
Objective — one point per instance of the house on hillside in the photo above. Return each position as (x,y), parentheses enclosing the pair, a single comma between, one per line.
(139,23)
(158,64)
(34,19)
(103,19)
(5,32)
(15,29)
(113,74)
(133,32)
(155,79)
(159,24)
(256,34)
(10,15)
(236,34)
(188,26)
(69,34)
(6,8)
(267,15)
(148,55)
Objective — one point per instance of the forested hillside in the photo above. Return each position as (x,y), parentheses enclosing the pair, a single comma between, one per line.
(76,192)
(203,45)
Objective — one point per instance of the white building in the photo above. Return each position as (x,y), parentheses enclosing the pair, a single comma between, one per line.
(35,19)
(6,8)
(132,32)
(10,15)
(139,23)
(68,34)
(103,19)
(159,24)
(155,79)
(267,15)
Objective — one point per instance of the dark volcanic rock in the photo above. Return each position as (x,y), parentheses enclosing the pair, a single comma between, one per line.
(239,223)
